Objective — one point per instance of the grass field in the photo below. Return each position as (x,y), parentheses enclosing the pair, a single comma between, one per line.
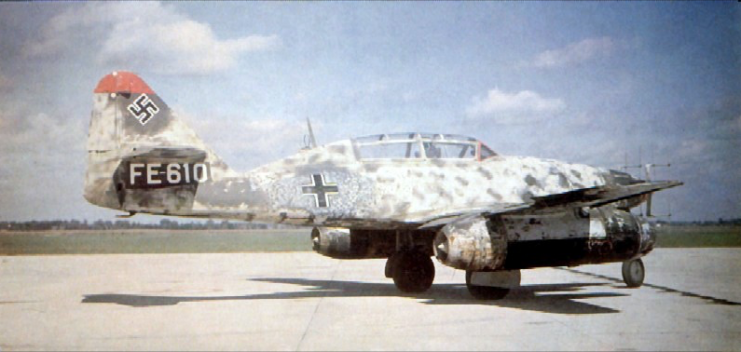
(225,241)
(699,236)
(153,241)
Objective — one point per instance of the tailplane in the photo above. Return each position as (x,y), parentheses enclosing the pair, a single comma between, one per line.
(141,156)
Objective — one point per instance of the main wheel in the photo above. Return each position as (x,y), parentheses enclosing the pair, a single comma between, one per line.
(484,292)
(413,271)
(391,264)
(633,273)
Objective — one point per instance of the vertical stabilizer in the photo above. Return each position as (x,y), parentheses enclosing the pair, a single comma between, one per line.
(141,156)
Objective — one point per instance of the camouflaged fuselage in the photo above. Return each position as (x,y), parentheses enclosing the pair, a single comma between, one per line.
(142,158)
(371,193)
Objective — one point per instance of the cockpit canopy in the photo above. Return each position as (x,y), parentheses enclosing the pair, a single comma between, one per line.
(421,145)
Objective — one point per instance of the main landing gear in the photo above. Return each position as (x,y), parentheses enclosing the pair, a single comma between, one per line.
(410,267)
(412,270)
(491,285)
(633,273)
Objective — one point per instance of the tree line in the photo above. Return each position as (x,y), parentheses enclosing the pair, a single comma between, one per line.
(719,222)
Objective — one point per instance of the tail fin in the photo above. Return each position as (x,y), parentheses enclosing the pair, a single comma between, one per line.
(141,157)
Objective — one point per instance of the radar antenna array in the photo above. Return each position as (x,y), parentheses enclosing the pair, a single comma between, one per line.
(647,169)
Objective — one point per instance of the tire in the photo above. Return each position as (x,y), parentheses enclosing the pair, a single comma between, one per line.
(391,264)
(487,293)
(413,271)
(633,273)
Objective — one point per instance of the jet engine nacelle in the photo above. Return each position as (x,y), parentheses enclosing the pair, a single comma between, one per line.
(473,243)
(343,243)
(589,236)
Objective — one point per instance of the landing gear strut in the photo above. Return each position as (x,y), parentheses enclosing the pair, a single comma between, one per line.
(410,267)
(633,273)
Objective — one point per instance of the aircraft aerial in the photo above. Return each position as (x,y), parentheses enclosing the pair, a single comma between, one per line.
(402,196)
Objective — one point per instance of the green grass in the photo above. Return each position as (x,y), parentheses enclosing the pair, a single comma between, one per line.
(230,241)
(153,241)
(698,236)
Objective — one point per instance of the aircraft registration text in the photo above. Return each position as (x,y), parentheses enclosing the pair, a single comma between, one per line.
(155,175)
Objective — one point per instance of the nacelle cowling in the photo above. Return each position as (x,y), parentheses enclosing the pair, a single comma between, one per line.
(599,235)
(343,243)
(472,243)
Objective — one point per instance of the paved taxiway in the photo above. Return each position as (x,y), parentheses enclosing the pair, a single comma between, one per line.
(290,301)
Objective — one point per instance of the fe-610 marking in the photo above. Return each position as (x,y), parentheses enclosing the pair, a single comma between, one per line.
(403,196)
(155,175)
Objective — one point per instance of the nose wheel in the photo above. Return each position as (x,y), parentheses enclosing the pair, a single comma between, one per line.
(633,273)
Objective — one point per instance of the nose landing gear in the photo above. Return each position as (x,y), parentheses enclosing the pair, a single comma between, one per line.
(633,273)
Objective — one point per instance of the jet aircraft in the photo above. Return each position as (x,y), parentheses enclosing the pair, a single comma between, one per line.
(402,196)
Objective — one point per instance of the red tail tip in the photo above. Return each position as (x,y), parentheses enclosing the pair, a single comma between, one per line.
(122,81)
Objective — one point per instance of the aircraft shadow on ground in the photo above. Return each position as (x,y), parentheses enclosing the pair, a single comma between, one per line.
(548,298)
(706,298)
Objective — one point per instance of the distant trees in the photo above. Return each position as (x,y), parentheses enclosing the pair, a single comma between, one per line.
(720,222)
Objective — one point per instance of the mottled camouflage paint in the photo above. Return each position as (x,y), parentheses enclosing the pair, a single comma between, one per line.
(457,195)
(389,192)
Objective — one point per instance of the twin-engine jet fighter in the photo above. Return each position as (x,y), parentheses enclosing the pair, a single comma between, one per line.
(404,196)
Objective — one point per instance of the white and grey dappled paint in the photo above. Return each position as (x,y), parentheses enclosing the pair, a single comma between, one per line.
(385,193)
(609,78)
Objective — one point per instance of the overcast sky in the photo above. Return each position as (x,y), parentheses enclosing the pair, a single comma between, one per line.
(580,82)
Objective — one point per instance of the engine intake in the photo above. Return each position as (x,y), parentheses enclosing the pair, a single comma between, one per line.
(473,243)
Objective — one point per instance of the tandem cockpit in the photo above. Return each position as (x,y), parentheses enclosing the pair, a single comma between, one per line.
(421,146)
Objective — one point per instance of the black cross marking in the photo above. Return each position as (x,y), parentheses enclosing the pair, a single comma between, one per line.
(320,190)
(143,109)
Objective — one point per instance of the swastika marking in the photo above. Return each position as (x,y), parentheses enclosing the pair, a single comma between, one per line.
(143,109)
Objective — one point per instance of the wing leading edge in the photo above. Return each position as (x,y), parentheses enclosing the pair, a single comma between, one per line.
(585,197)
(599,196)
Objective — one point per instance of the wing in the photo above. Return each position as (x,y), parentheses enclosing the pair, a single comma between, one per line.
(584,197)
(598,196)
